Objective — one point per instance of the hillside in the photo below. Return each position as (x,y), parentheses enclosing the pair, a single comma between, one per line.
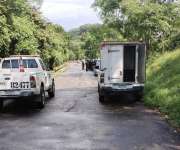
(163,85)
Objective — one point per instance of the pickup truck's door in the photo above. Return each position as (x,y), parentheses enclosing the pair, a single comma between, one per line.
(47,75)
(115,58)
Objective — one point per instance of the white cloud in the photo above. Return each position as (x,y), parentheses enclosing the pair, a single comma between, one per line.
(69,13)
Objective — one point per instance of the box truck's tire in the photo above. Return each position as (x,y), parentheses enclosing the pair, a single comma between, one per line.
(101,96)
(139,96)
(1,105)
(101,99)
(42,97)
(98,88)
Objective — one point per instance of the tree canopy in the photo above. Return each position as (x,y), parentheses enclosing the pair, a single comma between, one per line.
(91,35)
(24,31)
(150,21)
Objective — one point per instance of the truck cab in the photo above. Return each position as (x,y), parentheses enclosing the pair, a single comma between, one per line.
(122,69)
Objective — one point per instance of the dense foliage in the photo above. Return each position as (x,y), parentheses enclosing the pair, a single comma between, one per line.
(90,37)
(23,31)
(153,22)
(162,87)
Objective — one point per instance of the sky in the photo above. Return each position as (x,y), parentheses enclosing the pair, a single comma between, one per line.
(70,13)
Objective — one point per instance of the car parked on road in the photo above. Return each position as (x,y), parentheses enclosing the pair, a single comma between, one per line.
(23,77)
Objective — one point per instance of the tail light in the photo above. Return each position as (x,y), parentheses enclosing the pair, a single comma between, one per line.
(22,68)
(33,81)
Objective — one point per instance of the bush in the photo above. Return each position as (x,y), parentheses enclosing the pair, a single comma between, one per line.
(162,89)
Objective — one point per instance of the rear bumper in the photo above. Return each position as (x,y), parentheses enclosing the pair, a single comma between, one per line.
(13,94)
(115,91)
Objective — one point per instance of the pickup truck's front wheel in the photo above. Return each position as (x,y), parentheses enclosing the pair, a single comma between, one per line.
(42,97)
(51,92)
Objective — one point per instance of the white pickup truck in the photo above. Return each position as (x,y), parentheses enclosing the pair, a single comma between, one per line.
(24,77)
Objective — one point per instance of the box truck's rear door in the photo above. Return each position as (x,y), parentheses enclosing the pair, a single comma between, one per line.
(115,58)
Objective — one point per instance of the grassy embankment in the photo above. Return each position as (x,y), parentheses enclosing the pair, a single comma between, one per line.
(163,85)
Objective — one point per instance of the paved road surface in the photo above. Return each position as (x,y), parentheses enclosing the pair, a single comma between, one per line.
(74,120)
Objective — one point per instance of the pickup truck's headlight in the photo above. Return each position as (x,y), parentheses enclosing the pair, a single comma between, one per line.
(33,81)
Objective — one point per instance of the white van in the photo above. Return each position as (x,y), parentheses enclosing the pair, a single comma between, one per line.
(122,68)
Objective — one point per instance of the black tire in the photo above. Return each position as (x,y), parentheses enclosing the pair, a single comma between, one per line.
(51,92)
(101,99)
(42,98)
(99,89)
(1,105)
(139,96)
(101,96)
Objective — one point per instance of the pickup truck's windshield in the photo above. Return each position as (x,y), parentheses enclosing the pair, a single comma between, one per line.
(15,63)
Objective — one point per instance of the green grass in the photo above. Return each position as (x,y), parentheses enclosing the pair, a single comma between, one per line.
(162,88)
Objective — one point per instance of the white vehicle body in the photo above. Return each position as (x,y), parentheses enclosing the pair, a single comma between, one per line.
(122,67)
(23,76)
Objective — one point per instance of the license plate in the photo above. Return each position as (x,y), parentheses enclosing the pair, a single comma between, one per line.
(9,93)
(20,85)
(2,83)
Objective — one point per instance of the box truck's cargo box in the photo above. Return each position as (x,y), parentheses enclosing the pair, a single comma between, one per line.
(122,67)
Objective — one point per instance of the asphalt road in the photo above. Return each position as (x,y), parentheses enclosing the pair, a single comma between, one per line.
(75,120)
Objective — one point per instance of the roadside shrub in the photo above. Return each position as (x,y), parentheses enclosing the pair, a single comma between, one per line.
(162,89)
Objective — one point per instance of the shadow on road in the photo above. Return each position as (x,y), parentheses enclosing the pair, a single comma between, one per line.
(21,107)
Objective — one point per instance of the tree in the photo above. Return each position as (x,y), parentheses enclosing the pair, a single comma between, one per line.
(149,21)
(24,31)
(91,35)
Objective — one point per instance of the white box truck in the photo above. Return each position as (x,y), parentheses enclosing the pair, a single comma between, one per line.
(122,69)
